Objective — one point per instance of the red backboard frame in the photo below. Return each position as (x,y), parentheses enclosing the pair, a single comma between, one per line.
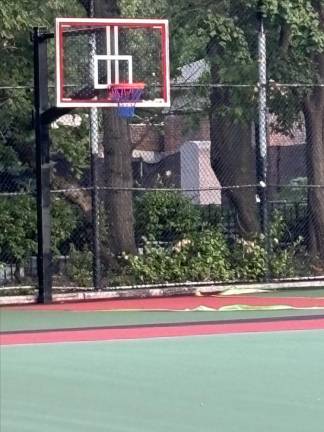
(64,24)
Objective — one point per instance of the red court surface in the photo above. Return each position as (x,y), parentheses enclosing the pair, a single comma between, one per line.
(149,331)
(248,324)
(180,303)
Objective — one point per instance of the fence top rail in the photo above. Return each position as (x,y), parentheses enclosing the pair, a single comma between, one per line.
(192,85)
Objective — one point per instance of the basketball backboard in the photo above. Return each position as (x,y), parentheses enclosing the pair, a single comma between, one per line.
(94,56)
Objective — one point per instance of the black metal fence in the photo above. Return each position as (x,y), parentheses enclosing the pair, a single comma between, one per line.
(190,196)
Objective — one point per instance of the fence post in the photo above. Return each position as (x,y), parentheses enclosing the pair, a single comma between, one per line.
(94,135)
(44,256)
(262,138)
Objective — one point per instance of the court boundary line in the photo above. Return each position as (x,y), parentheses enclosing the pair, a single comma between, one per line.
(153,338)
(176,303)
(163,334)
(170,324)
(161,290)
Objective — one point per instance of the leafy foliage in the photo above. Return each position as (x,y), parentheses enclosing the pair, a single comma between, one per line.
(65,219)
(295,192)
(71,144)
(166,216)
(18,228)
(283,259)
(79,266)
(17,151)
(251,258)
(161,217)
(202,256)
(18,237)
(207,256)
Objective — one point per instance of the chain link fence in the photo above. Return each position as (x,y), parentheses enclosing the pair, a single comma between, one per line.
(178,195)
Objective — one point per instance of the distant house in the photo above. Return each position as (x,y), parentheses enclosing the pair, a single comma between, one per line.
(175,152)
(287,156)
(181,145)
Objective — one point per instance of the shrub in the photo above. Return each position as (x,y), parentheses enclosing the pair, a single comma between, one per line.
(283,258)
(18,228)
(205,256)
(155,265)
(249,258)
(65,219)
(165,216)
(79,266)
(18,234)
(209,257)
(201,257)
(295,192)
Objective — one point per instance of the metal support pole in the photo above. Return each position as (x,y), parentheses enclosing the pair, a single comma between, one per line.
(94,141)
(44,256)
(262,138)
(94,135)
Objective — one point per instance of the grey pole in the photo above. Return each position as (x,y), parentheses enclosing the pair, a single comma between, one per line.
(262,138)
(94,142)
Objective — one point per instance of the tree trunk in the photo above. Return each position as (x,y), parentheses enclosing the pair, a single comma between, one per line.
(118,168)
(118,176)
(233,157)
(314,122)
(106,8)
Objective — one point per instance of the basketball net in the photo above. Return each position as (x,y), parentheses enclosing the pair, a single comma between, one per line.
(126,95)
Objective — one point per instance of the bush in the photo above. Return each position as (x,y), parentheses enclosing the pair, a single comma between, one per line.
(295,192)
(249,258)
(201,257)
(165,216)
(18,228)
(206,256)
(65,219)
(18,221)
(283,259)
(209,257)
(79,267)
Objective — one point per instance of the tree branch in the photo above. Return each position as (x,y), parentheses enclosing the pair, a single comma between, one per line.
(73,194)
(284,39)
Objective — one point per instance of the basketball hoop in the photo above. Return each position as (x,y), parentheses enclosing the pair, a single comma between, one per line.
(95,55)
(126,95)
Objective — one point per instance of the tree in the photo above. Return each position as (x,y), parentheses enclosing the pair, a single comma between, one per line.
(17,135)
(118,167)
(233,113)
(299,52)
(313,108)
(16,131)
(225,33)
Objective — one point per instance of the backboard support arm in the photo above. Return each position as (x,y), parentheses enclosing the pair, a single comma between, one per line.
(44,115)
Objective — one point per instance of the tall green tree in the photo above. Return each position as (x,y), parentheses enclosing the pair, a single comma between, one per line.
(296,50)
(70,146)
(16,22)
(218,31)
(17,141)
(118,201)
(224,32)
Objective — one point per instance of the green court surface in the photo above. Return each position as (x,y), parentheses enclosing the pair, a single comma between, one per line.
(306,292)
(226,383)
(11,320)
